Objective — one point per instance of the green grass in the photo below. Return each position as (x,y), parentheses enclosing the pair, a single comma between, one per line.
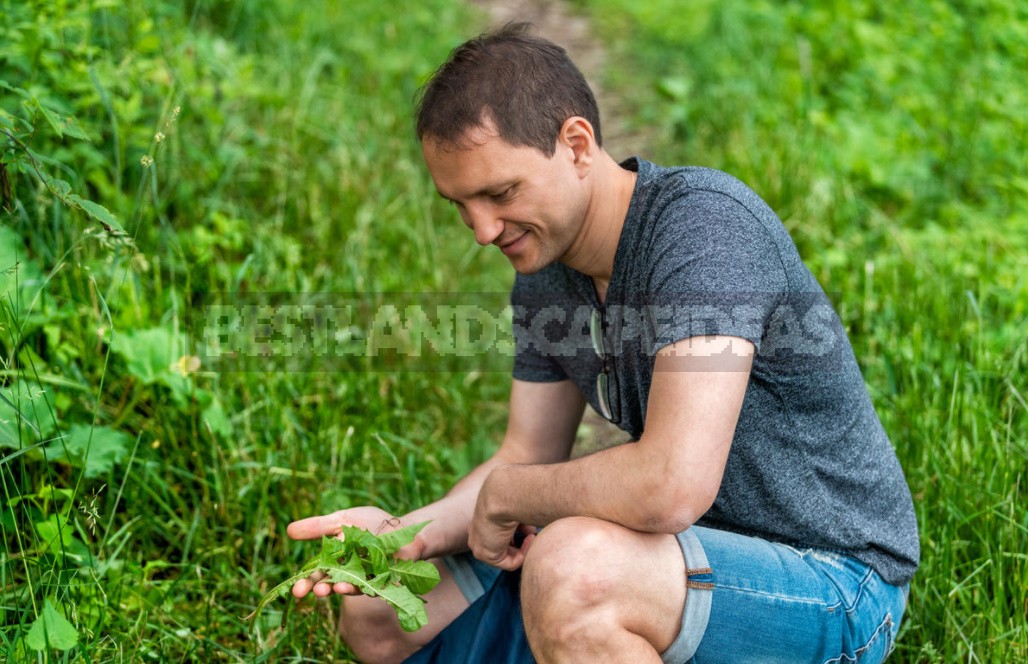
(149,507)
(885,134)
(290,166)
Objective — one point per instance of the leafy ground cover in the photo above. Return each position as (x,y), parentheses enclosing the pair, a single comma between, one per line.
(158,156)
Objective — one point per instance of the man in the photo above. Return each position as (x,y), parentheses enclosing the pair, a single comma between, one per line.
(760,513)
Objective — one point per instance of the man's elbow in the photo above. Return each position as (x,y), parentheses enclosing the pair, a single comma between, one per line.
(675,506)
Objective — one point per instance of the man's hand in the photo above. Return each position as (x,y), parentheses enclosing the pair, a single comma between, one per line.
(369,518)
(492,538)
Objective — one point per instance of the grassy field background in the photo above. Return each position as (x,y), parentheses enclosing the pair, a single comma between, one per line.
(261,147)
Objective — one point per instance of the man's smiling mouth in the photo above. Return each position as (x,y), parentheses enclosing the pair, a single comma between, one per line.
(507,247)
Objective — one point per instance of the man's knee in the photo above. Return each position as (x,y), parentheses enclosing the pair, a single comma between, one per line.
(565,586)
(586,581)
(569,564)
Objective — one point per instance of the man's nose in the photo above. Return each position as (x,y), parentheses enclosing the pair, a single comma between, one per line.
(486,225)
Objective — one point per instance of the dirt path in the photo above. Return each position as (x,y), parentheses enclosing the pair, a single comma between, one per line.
(557,22)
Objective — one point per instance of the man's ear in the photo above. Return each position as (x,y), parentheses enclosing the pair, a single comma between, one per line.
(577,135)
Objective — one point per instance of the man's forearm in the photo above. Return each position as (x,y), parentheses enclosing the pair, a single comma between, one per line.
(663,483)
(626,485)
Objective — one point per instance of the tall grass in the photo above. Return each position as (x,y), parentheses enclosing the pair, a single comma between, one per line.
(145,497)
(887,138)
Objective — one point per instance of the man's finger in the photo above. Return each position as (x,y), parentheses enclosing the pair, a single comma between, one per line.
(315,527)
(512,559)
(343,588)
(526,544)
(304,586)
(301,588)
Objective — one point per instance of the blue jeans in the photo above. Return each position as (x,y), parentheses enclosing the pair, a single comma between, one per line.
(752,600)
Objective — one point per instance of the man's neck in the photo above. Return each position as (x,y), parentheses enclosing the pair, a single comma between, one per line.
(594,250)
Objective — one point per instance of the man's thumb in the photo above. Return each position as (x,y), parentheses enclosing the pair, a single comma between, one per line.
(413,551)
(314,527)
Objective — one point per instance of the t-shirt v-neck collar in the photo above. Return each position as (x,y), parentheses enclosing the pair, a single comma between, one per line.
(641,168)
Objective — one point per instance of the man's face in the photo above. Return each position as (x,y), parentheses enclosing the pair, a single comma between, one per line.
(529,205)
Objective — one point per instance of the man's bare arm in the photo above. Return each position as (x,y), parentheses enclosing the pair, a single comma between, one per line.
(541,429)
(662,483)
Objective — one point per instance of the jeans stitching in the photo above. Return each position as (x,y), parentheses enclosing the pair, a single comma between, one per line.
(858,653)
(860,590)
(778,596)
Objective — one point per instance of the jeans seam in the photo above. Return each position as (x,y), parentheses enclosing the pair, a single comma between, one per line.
(860,590)
(798,600)
(886,624)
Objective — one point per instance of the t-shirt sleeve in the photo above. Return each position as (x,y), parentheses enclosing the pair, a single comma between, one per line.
(715,269)
(532,362)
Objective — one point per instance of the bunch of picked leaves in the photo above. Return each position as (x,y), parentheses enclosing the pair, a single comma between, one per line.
(369,562)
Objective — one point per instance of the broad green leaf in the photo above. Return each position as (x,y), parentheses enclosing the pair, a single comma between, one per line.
(51,118)
(215,417)
(97,211)
(51,492)
(96,449)
(410,608)
(57,185)
(332,549)
(397,539)
(59,539)
(71,127)
(26,414)
(150,355)
(418,575)
(351,572)
(19,274)
(21,92)
(54,533)
(51,630)
(373,551)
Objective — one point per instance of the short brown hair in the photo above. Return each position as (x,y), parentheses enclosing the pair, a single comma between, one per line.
(525,84)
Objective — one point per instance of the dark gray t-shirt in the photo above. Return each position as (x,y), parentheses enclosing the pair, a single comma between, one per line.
(702,254)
